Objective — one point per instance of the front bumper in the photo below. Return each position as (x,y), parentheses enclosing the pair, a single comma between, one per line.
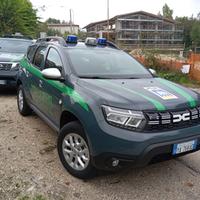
(8,78)
(152,154)
(138,149)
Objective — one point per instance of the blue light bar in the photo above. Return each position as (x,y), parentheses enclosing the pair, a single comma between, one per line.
(71,39)
(102,41)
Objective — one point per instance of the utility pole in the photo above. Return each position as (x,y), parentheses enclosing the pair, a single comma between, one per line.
(70,12)
(108,16)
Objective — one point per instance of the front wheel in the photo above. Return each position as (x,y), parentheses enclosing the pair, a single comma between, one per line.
(74,151)
(22,104)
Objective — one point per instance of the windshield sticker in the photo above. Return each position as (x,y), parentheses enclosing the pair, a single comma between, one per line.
(165,95)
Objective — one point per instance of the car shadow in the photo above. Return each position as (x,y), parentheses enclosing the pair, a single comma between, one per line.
(156,181)
(7,92)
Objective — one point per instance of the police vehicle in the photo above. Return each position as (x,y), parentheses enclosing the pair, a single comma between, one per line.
(109,110)
(12,50)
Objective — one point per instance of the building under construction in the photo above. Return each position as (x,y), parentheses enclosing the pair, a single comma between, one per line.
(139,30)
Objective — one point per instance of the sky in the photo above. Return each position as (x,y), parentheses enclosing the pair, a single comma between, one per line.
(87,11)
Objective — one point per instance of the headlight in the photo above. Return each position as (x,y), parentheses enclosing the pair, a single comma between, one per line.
(127,119)
(15,66)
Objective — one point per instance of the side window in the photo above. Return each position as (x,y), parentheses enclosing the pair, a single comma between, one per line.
(39,57)
(30,52)
(53,60)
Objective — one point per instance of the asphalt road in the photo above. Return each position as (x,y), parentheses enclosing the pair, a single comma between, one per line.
(29,166)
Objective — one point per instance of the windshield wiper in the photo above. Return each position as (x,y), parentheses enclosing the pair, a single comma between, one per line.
(110,77)
(133,77)
(94,77)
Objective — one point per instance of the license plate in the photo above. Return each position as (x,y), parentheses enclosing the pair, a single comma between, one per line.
(2,82)
(184,147)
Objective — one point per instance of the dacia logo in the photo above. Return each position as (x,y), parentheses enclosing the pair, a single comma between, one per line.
(181,117)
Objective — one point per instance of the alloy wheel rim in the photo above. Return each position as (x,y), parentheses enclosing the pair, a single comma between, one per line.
(76,151)
(20,99)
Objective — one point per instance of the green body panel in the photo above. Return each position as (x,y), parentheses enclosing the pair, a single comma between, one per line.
(58,85)
(191,101)
(159,106)
(136,94)
(89,94)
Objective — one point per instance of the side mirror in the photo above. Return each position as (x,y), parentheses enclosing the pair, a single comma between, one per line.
(52,74)
(152,71)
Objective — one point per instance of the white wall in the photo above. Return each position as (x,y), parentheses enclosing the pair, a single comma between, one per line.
(63,29)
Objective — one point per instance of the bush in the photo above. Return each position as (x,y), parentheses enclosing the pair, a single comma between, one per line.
(151,60)
(178,77)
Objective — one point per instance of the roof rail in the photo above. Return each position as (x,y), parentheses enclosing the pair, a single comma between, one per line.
(53,39)
(63,42)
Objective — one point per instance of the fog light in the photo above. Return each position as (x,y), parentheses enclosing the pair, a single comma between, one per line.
(115,162)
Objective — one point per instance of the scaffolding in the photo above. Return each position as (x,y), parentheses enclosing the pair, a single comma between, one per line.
(140,30)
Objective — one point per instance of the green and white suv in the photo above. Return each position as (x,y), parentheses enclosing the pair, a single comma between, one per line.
(109,110)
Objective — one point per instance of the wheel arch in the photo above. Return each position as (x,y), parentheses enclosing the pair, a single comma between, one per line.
(19,82)
(68,116)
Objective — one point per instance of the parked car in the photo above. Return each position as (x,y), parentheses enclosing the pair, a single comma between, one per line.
(12,51)
(109,110)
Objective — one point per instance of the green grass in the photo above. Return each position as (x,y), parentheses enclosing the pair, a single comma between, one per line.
(178,77)
(37,197)
(24,198)
(164,72)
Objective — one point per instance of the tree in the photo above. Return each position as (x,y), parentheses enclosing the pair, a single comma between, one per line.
(191,30)
(41,27)
(198,16)
(53,32)
(65,22)
(187,24)
(195,33)
(17,16)
(53,21)
(159,14)
(167,12)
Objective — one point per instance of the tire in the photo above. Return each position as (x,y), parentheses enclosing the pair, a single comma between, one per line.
(22,104)
(74,160)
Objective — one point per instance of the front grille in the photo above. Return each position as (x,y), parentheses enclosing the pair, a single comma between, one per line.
(5,66)
(172,120)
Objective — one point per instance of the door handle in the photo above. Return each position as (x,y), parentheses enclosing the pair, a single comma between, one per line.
(40,83)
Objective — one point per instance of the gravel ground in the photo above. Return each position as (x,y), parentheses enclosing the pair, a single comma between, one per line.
(30,168)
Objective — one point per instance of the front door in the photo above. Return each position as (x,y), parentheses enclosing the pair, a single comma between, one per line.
(52,97)
(36,77)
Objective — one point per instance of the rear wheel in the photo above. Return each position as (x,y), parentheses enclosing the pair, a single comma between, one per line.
(22,104)
(74,152)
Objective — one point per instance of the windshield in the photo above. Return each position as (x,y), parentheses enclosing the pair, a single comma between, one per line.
(14,46)
(103,63)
